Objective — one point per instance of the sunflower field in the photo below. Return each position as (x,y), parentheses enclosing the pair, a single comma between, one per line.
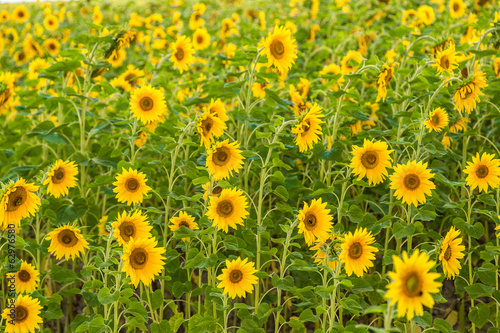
(250,166)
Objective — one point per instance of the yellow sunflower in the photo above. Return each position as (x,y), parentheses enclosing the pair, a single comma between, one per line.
(228,28)
(223,159)
(315,221)
(237,278)
(128,226)
(228,209)
(52,46)
(131,186)
(357,255)
(27,278)
(384,78)
(332,69)
(457,8)
(280,49)
(450,253)
(345,66)
(498,229)
(467,94)
(134,76)
(182,53)
(210,127)
(18,201)
(4,16)
(426,14)
(438,119)
(51,22)
(482,172)
(308,128)
(259,89)
(324,248)
(217,108)
(496,67)
(61,177)
(184,219)
(142,260)
(147,104)
(412,284)
(216,190)
(201,39)
(20,14)
(411,182)
(446,60)
(102,226)
(117,57)
(67,242)
(372,160)
(25,317)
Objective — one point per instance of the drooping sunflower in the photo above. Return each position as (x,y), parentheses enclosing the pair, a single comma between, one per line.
(51,22)
(457,8)
(67,242)
(117,57)
(201,39)
(223,159)
(142,260)
(482,172)
(27,278)
(131,186)
(210,127)
(328,247)
(131,225)
(468,93)
(20,14)
(228,209)
(372,160)
(438,119)
(279,48)
(182,53)
(451,252)
(347,67)
(384,78)
(184,219)
(315,221)
(147,104)
(446,60)
(238,277)
(357,254)
(27,315)
(18,201)
(411,182)
(308,128)
(412,284)
(61,177)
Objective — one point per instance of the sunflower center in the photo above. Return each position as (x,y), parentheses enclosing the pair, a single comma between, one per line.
(52,46)
(184,223)
(24,276)
(207,124)
(456,7)
(482,171)
(435,119)
(16,199)
(310,221)
(306,125)
(235,276)
(58,176)
(67,238)
(21,56)
(412,286)
(138,258)
(146,103)
(222,156)
(51,22)
(132,185)
(20,14)
(370,160)
(411,181)
(389,74)
(127,230)
(225,208)
(179,55)
(277,49)
(21,313)
(464,72)
(447,253)
(199,39)
(216,190)
(356,250)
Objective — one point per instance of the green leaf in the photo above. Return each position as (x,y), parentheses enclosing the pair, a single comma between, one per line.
(355,214)
(62,275)
(281,192)
(308,315)
(105,297)
(479,290)
(162,327)
(403,230)
(479,315)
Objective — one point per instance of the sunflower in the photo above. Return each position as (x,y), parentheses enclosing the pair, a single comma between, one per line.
(482,172)
(426,14)
(345,66)
(216,190)
(142,260)
(259,89)
(27,278)
(457,8)
(446,60)
(20,58)
(438,119)
(384,78)
(182,53)
(18,201)
(61,177)
(467,94)
(411,182)
(450,253)
(20,14)
(237,278)
(223,159)
(117,57)
(228,209)
(218,109)
(280,49)
(228,28)
(102,226)
(147,104)
(25,317)
(67,242)
(201,39)
(332,69)
(496,67)
(51,22)
(308,128)
(128,226)
(134,76)
(210,127)
(412,284)
(328,246)
(315,221)
(498,229)
(372,160)
(4,16)
(131,186)
(300,106)
(53,46)
(184,219)
(357,255)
